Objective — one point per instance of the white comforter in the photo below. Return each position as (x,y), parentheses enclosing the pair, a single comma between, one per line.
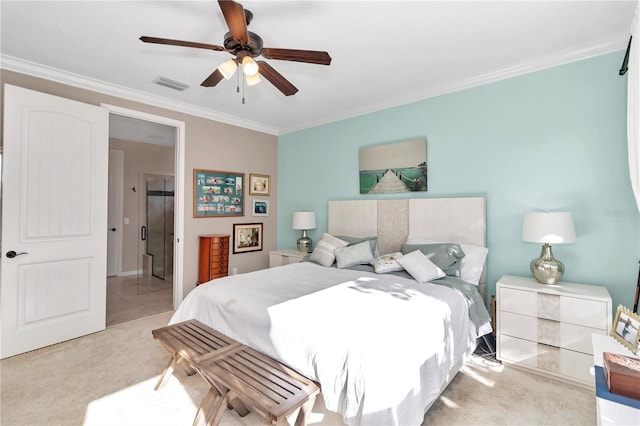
(382,347)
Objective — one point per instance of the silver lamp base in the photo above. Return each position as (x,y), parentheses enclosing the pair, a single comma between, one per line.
(304,243)
(546,269)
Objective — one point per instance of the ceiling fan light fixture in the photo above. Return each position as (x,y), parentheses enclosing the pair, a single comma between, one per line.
(252,80)
(228,68)
(249,66)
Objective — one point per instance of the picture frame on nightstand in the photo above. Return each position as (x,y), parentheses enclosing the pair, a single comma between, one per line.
(626,329)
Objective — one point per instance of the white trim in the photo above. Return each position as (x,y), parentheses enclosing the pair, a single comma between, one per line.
(118,192)
(179,195)
(33,69)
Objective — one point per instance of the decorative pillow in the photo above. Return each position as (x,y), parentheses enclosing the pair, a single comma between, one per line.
(420,267)
(324,253)
(373,241)
(356,254)
(446,256)
(387,263)
(472,263)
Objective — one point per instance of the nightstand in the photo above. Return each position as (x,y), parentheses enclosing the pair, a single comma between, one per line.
(547,329)
(286,256)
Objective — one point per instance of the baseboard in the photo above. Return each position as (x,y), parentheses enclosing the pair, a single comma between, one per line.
(129,273)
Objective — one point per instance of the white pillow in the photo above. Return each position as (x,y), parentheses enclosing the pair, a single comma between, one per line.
(420,267)
(324,253)
(387,263)
(357,254)
(472,263)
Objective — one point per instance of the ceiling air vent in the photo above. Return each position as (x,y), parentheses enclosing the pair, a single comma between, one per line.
(167,82)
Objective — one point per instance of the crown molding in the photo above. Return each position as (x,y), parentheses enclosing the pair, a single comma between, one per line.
(33,69)
(613,44)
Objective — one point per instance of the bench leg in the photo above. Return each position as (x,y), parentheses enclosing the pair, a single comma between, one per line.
(187,368)
(234,401)
(211,409)
(303,414)
(167,373)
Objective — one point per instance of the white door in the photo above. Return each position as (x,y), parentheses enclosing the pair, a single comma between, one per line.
(54,219)
(114,213)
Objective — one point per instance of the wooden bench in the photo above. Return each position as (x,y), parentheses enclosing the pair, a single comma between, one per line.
(266,386)
(238,376)
(187,341)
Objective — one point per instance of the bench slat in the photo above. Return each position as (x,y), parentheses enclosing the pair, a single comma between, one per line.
(276,375)
(209,335)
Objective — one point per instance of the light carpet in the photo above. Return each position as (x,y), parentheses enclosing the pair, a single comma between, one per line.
(107,378)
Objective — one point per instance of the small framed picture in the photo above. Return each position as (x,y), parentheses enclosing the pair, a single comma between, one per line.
(260,207)
(247,237)
(259,184)
(625,328)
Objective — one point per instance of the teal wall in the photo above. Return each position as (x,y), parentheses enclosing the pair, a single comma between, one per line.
(554,139)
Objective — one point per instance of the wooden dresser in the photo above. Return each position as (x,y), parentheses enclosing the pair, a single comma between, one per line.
(213,259)
(548,328)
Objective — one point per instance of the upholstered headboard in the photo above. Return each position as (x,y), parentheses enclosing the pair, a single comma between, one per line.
(456,220)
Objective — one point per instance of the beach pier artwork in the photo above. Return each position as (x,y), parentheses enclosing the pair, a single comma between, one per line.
(394,167)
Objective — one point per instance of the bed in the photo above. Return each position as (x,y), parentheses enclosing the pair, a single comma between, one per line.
(382,346)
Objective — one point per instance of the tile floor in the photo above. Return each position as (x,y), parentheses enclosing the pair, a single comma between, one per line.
(128,300)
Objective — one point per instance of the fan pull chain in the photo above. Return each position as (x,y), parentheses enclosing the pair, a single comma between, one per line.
(242,91)
(238,79)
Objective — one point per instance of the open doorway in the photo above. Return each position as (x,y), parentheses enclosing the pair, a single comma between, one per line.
(146,261)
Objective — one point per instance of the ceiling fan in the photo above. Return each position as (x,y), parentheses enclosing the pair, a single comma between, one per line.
(245,46)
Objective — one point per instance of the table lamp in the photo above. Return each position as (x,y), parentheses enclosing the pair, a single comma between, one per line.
(548,228)
(304,221)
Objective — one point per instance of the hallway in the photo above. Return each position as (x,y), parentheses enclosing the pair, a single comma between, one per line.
(126,300)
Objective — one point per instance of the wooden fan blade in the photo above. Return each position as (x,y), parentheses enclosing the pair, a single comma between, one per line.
(309,56)
(182,43)
(234,15)
(213,79)
(276,79)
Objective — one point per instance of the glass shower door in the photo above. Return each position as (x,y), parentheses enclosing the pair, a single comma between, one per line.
(156,233)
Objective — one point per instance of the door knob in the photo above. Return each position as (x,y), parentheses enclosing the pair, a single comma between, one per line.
(11,254)
(112,229)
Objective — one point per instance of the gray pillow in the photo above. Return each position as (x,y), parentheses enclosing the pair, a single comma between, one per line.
(373,241)
(447,256)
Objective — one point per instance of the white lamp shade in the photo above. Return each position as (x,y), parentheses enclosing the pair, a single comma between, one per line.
(548,227)
(252,80)
(228,68)
(304,220)
(249,66)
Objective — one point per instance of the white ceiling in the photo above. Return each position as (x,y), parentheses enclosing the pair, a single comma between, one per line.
(385,53)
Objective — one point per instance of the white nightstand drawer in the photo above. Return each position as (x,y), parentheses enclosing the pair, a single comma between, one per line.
(558,361)
(578,338)
(518,301)
(516,325)
(520,351)
(554,333)
(589,313)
